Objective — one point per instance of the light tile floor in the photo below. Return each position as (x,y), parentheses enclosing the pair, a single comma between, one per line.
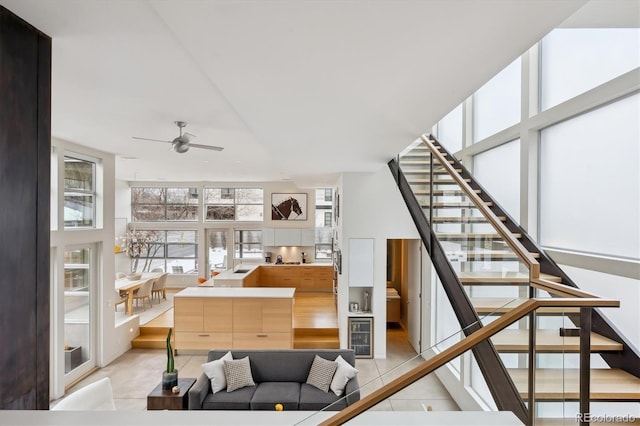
(135,373)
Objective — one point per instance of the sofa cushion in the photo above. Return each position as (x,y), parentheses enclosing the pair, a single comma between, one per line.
(312,398)
(321,373)
(268,394)
(239,399)
(238,374)
(344,373)
(215,372)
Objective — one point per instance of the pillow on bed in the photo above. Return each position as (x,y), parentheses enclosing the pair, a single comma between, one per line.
(215,372)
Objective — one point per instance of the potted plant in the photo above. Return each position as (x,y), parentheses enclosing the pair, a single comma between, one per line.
(170,375)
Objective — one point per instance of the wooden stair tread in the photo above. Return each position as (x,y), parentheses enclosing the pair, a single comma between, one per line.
(412,180)
(442,192)
(557,384)
(464,219)
(493,255)
(510,340)
(454,205)
(501,305)
(500,278)
(471,236)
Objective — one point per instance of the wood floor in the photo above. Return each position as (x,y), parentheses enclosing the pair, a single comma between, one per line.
(315,323)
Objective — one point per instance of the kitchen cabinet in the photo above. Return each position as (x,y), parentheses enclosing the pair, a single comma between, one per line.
(268,237)
(234,318)
(262,323)
(202,323)
(274,237)
(300,277)
(287,237)
(361,262)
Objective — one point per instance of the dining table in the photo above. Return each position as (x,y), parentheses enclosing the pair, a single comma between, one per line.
(126,285)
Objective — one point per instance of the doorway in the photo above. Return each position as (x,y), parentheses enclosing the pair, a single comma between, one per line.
(404,290)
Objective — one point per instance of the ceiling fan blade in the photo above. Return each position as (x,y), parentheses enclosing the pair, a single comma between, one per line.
(212,148)
(188,136)
(147,139)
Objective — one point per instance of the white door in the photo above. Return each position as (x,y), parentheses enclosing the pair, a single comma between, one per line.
(414,294)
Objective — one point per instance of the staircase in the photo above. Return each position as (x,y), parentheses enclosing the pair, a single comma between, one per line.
(482,244)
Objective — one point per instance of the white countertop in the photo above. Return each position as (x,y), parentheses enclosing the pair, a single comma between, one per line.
(231,274)
(297,264)
(258,292)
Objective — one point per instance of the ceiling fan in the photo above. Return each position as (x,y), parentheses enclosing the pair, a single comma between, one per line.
(182,143)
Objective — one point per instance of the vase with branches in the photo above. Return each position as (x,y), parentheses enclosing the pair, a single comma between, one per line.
(139,243)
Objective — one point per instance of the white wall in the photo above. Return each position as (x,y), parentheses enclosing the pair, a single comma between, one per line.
(370,207)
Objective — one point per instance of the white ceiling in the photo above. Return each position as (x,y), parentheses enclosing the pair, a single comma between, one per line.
(292,89)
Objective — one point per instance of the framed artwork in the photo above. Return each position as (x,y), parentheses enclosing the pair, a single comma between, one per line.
(288,206)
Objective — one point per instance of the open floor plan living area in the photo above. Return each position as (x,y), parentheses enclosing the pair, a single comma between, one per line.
(320,212)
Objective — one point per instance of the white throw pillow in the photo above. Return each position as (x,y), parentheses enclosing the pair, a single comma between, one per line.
(215,372)
(344,373)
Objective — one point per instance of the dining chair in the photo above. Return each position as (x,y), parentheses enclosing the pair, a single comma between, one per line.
(120,298)
(144,292)
(159,287)
(120,275)
(95,396)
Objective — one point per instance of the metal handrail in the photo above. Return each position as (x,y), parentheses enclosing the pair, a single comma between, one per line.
(523,254)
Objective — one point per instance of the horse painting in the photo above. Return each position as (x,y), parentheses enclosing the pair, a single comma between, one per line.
(283,210)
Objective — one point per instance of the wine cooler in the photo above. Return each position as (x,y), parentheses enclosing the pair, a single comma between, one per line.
(361,336)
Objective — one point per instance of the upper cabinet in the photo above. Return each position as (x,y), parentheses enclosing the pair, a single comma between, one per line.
(361,262)
(288,237)
(268,237)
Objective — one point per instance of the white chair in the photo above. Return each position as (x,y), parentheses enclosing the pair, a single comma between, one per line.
(159,287)
(144,292)
(95,396)
(120,298)
(120,275)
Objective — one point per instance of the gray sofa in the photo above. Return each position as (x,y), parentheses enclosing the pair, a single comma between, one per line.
(280,377)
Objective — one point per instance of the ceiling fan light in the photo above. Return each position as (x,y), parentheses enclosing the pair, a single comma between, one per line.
(180,147)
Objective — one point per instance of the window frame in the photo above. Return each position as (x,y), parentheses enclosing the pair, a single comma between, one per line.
(191,207)
(71,192)
(234,204)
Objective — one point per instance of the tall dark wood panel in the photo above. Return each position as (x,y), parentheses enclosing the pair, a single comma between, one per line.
(25,164)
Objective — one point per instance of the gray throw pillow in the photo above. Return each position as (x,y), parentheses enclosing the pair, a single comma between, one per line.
(321,373)
(238,374)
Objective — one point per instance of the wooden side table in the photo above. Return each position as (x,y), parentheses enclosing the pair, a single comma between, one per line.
(160,399)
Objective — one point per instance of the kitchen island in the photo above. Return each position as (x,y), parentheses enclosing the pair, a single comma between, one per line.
(233,318)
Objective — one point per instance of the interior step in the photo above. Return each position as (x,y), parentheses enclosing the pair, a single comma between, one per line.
(153,335)
(501,305)
(500,278)
(549,341)
(151,338)
(557,384)
(494,255)
(457,205)
(316,338)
